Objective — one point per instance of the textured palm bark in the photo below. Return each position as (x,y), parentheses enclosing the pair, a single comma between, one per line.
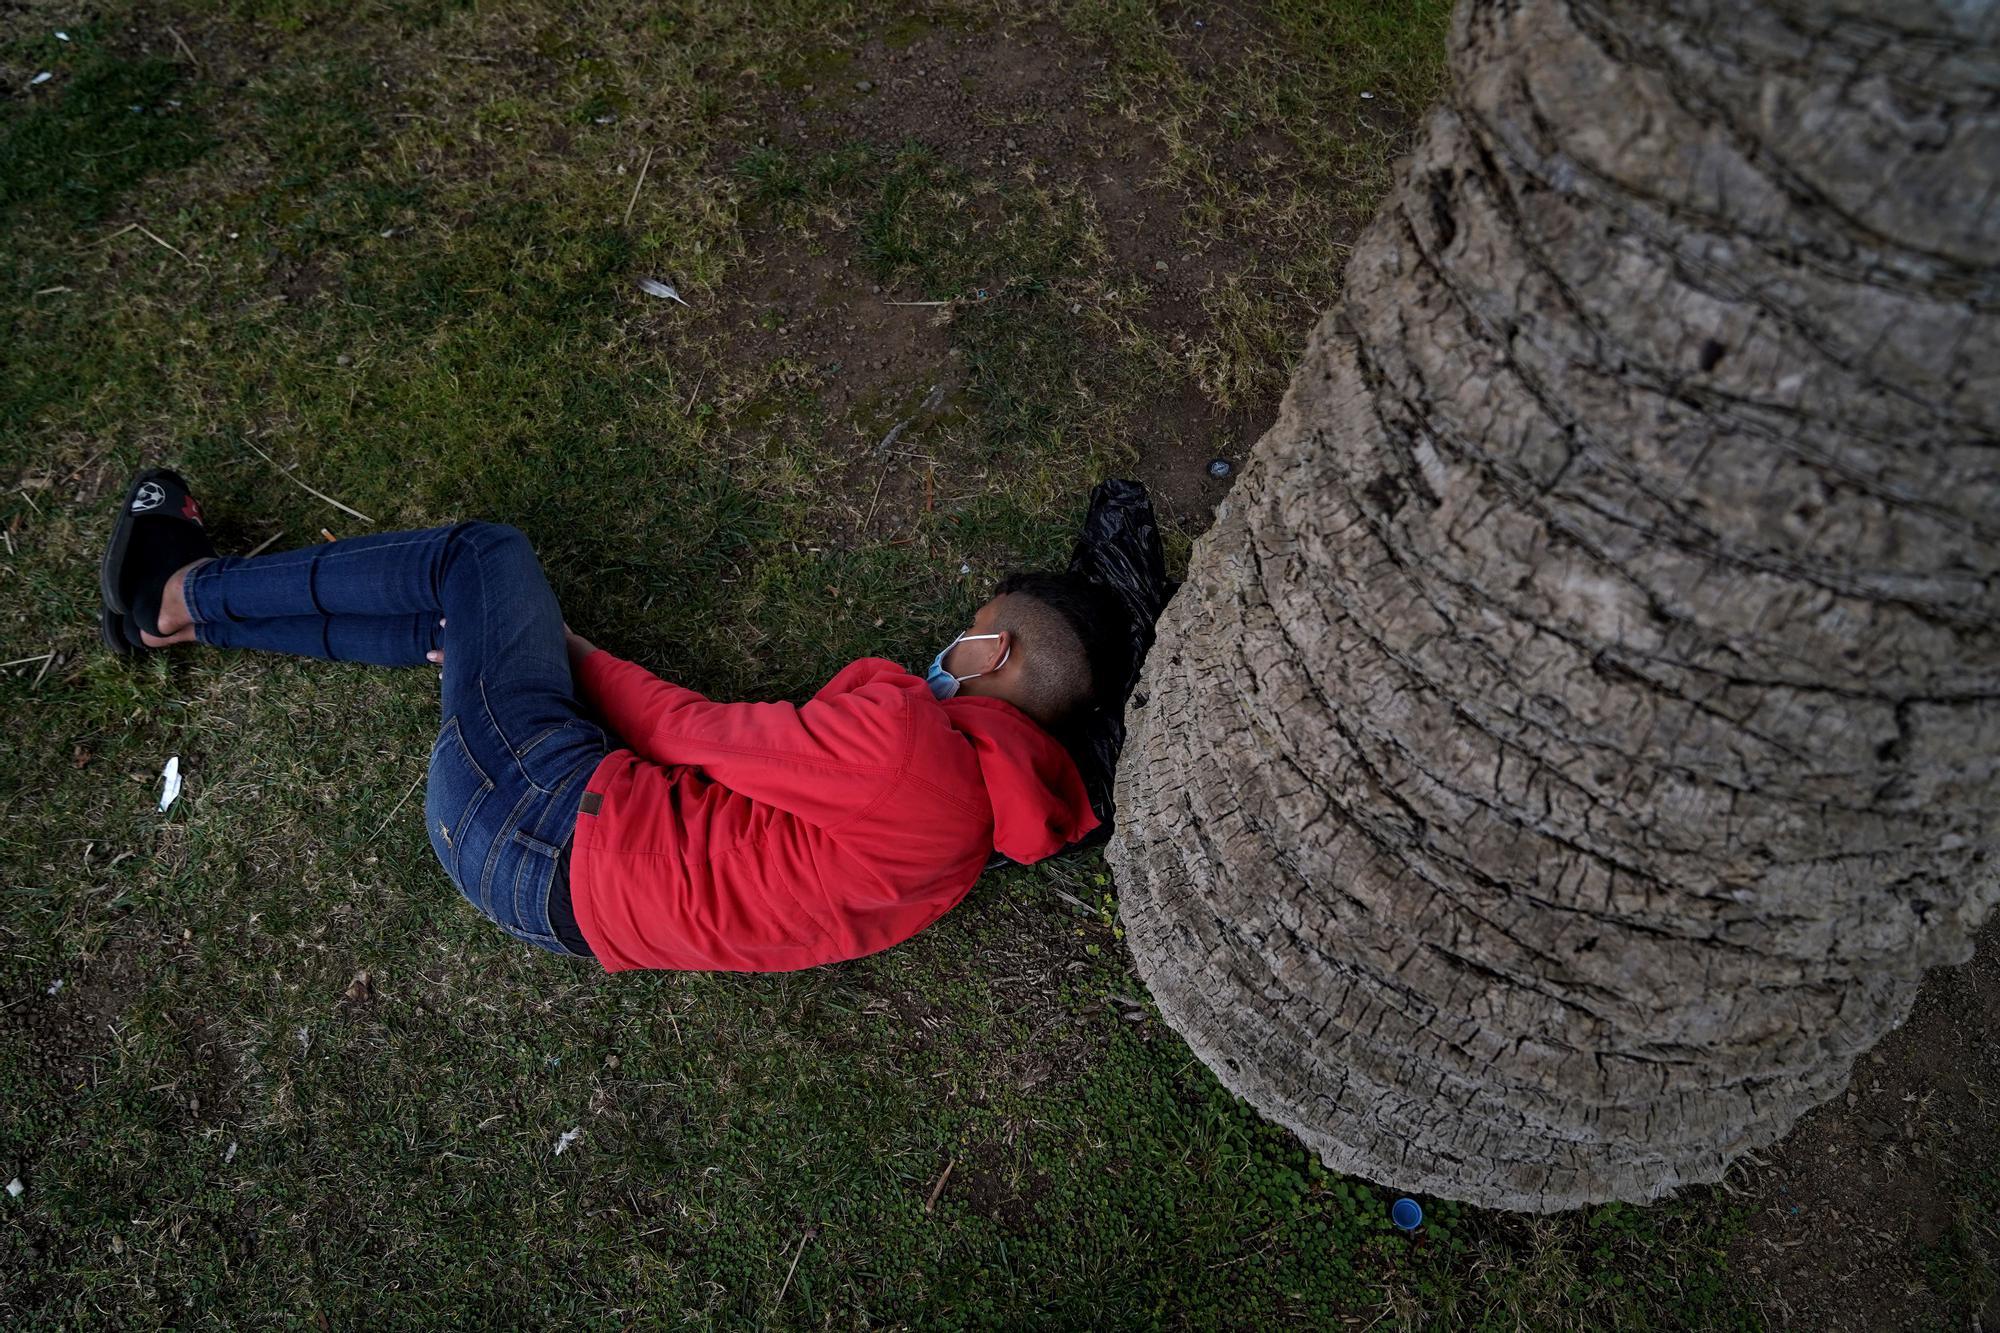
(1579,730)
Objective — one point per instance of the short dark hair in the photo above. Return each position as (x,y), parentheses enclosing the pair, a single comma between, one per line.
(1070,638)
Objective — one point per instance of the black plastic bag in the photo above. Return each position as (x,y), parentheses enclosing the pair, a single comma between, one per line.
(1119,550)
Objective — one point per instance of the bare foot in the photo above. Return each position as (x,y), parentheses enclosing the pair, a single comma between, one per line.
(174,618)
(185,635)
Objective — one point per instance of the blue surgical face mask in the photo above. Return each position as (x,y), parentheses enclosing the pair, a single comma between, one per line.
(943,684)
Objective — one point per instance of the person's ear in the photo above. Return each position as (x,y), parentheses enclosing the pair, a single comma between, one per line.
(957,652)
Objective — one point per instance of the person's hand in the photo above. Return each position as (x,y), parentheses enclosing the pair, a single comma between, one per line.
(437,654)
(579,647)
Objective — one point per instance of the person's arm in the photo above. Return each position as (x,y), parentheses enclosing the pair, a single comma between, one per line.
(823,761)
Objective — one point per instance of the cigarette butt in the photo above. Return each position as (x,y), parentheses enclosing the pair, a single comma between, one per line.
(326,535)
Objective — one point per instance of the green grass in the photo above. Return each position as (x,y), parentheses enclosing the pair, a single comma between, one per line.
(388,248)
(1961,1266)
(116,122)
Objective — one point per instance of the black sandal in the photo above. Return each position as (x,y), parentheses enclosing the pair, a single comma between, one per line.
(132,580)
(111,629)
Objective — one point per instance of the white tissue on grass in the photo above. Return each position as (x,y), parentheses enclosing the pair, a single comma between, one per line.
(229,1156)
(15,1188)
(61,36)
(55,985)
(171,776)
(43,77)
(654,287)
(569,1136)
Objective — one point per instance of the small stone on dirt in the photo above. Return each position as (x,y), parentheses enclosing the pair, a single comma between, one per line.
(863,86)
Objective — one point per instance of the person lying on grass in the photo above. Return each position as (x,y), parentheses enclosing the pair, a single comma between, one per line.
(591,808)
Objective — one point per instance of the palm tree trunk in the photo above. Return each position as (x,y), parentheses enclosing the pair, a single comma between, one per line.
(1580,729)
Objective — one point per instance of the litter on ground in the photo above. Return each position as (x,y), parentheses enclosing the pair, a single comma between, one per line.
(654,287)
(170,778)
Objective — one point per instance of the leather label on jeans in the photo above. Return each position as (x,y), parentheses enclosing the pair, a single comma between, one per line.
(591,800)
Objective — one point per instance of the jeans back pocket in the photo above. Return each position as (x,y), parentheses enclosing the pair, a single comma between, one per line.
(551,757)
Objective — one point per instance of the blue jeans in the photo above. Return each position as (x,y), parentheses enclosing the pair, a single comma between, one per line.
(508,769)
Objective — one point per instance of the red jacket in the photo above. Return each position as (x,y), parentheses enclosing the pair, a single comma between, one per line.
(770,837)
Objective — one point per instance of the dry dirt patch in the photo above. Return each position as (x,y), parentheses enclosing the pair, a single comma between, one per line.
(1853,1198)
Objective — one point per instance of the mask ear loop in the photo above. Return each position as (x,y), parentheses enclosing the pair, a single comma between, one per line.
(1005,654)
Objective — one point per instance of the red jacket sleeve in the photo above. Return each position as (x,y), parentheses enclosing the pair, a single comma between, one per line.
(825,761)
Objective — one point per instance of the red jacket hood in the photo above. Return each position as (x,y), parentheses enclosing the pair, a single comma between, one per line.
(1039,802)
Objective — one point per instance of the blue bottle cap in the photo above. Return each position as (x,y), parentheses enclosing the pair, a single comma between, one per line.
(1406,1214)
